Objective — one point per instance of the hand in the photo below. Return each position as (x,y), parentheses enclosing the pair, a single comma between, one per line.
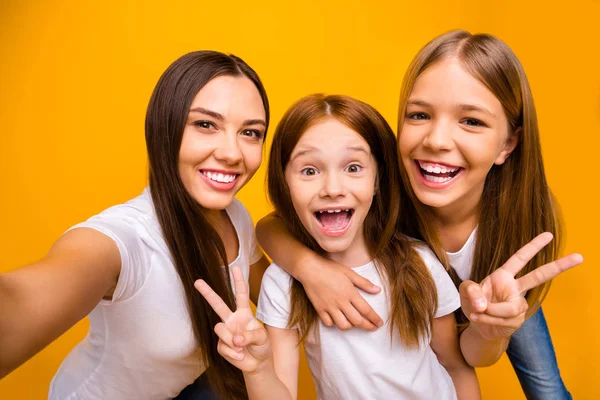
(497,306)
(332,291)
(243,340)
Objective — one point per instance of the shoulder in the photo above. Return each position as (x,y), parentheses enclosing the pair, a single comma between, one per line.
(275,275)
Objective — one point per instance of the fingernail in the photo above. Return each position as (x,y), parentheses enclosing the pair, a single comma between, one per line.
(239,356)
(480,303)
(473,317)
(380,324)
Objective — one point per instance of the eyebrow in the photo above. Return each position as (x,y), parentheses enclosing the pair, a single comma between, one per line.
(473,107)
(220,117)
(312,149)
(466,107)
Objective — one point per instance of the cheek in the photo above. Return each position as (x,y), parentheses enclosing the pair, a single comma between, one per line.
(252,156)
(408,140)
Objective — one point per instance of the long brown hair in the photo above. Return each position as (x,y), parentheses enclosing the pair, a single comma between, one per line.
(516,204)
(412,290)
(195,246)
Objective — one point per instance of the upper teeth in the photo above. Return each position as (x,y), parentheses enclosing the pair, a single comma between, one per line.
(219,177)
(436,168)
(334,211)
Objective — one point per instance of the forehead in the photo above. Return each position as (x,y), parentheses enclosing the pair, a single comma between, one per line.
(231,96)
(448,81)
(331,136)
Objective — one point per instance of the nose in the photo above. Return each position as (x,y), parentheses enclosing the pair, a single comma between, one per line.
(333,186)
(439,137)
(228,150)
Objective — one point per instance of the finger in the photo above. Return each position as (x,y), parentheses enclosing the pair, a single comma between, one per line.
(213,299)
(228,352)
(367,311)
(242,299)
(508,309)
(326,319)
(472,298)
(362,283)
(256,337)
(340,320)
(356,319)
(548,271)
(226,336)
(484,319)
(526,253)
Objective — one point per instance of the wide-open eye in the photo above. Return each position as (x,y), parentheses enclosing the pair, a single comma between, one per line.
(353,168)
(309,171)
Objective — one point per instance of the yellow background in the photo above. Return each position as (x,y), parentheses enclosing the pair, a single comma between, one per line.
(75,79)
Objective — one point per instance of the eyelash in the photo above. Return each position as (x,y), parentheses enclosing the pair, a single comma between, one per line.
(419,116)
(201,124)
(354,165)
(258,134)
(304,171)
(477,122)
(413,115)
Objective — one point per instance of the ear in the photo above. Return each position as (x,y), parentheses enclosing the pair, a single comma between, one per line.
(509,146)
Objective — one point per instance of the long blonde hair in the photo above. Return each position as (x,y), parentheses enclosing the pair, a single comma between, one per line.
(516,204)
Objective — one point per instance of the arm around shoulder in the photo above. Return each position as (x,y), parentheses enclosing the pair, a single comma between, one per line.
(43,300)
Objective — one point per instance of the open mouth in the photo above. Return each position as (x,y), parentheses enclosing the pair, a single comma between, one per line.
(335,220)
(438,173)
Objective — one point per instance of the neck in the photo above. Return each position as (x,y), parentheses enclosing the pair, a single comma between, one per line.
(455,225)
(355,255)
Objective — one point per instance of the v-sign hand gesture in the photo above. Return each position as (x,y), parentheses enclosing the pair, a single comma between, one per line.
(497,305)
(243,340)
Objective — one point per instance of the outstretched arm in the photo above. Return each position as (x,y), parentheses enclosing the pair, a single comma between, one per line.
(330,286)
(496,307)
(40,302)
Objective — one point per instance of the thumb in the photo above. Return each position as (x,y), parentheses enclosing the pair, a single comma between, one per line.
(361,282)
(256,337)
(472,298)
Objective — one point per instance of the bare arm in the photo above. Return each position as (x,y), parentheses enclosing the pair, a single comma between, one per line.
(330,286)
(444,343)
(257,270)
(41,301)
(279,377)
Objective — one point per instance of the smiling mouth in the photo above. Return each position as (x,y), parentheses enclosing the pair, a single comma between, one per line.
(334,221)
(437,173)
(219,177)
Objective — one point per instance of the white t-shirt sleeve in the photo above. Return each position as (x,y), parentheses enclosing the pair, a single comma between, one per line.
(274,300)
(125,232)
(448,297)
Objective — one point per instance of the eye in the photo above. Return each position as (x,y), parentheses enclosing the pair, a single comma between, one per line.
(353,168)
(253,133)
(417,116)
(473,122)
(309,171)
(204,124)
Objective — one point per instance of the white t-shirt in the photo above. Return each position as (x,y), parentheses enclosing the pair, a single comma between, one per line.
(357,364)
(140,344)
(462,260)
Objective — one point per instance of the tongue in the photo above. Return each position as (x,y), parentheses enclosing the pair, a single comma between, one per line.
(334,221)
